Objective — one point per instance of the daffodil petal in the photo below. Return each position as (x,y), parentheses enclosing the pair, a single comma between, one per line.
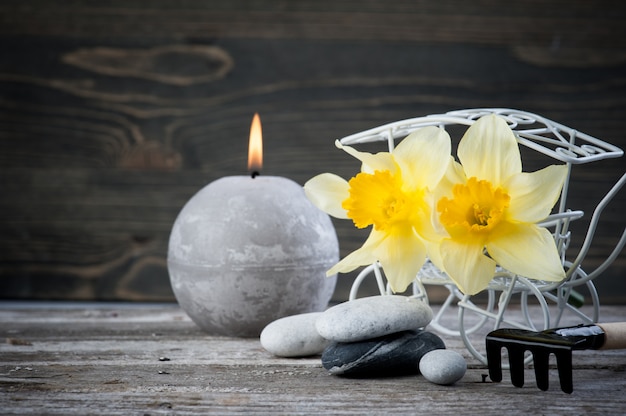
(428,226)
(401,256)
(423,157)
(527,250)
(534,194)
(467,266)
(362,256)
(327,191)
(434,254)
(454,175)
(489,150)
(371,162)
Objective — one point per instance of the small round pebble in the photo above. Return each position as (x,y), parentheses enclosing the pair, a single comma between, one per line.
(443,366)
(372,317)
(293,336)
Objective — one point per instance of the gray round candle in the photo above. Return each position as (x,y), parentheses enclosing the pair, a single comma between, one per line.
(245,251)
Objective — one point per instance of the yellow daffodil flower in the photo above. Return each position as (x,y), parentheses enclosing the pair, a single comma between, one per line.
(393,194)
(488,203)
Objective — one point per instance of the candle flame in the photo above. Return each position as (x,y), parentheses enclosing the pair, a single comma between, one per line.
(255,145)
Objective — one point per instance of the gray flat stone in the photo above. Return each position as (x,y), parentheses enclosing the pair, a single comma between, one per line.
(293,336)
(443,366)
(373,317)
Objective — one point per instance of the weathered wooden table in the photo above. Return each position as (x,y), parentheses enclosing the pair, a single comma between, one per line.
(78,359)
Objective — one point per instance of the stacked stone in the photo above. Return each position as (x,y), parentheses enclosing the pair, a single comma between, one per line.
(368,337)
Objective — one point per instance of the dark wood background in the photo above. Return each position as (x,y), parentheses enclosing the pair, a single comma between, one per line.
(113,114)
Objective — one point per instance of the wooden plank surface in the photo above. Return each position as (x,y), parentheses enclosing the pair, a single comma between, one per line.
(78,359)
(113,114)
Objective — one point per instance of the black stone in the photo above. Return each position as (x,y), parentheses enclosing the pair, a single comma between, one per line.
(391,355)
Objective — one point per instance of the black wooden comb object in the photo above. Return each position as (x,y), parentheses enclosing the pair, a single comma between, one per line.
(558,341)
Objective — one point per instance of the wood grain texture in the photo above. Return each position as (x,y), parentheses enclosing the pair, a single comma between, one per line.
(108,359)
(113,115)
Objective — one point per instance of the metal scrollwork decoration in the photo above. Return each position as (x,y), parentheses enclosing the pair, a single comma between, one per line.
(494,310)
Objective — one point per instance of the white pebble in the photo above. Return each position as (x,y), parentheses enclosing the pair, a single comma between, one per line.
(293,336)
(372,317)
(443,366)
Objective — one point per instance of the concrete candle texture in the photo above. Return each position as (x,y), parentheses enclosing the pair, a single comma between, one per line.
(246,251)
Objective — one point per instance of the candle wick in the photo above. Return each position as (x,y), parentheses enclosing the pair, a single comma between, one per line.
(254,174)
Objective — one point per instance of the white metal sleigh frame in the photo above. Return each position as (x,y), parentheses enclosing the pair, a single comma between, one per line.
(549,138)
